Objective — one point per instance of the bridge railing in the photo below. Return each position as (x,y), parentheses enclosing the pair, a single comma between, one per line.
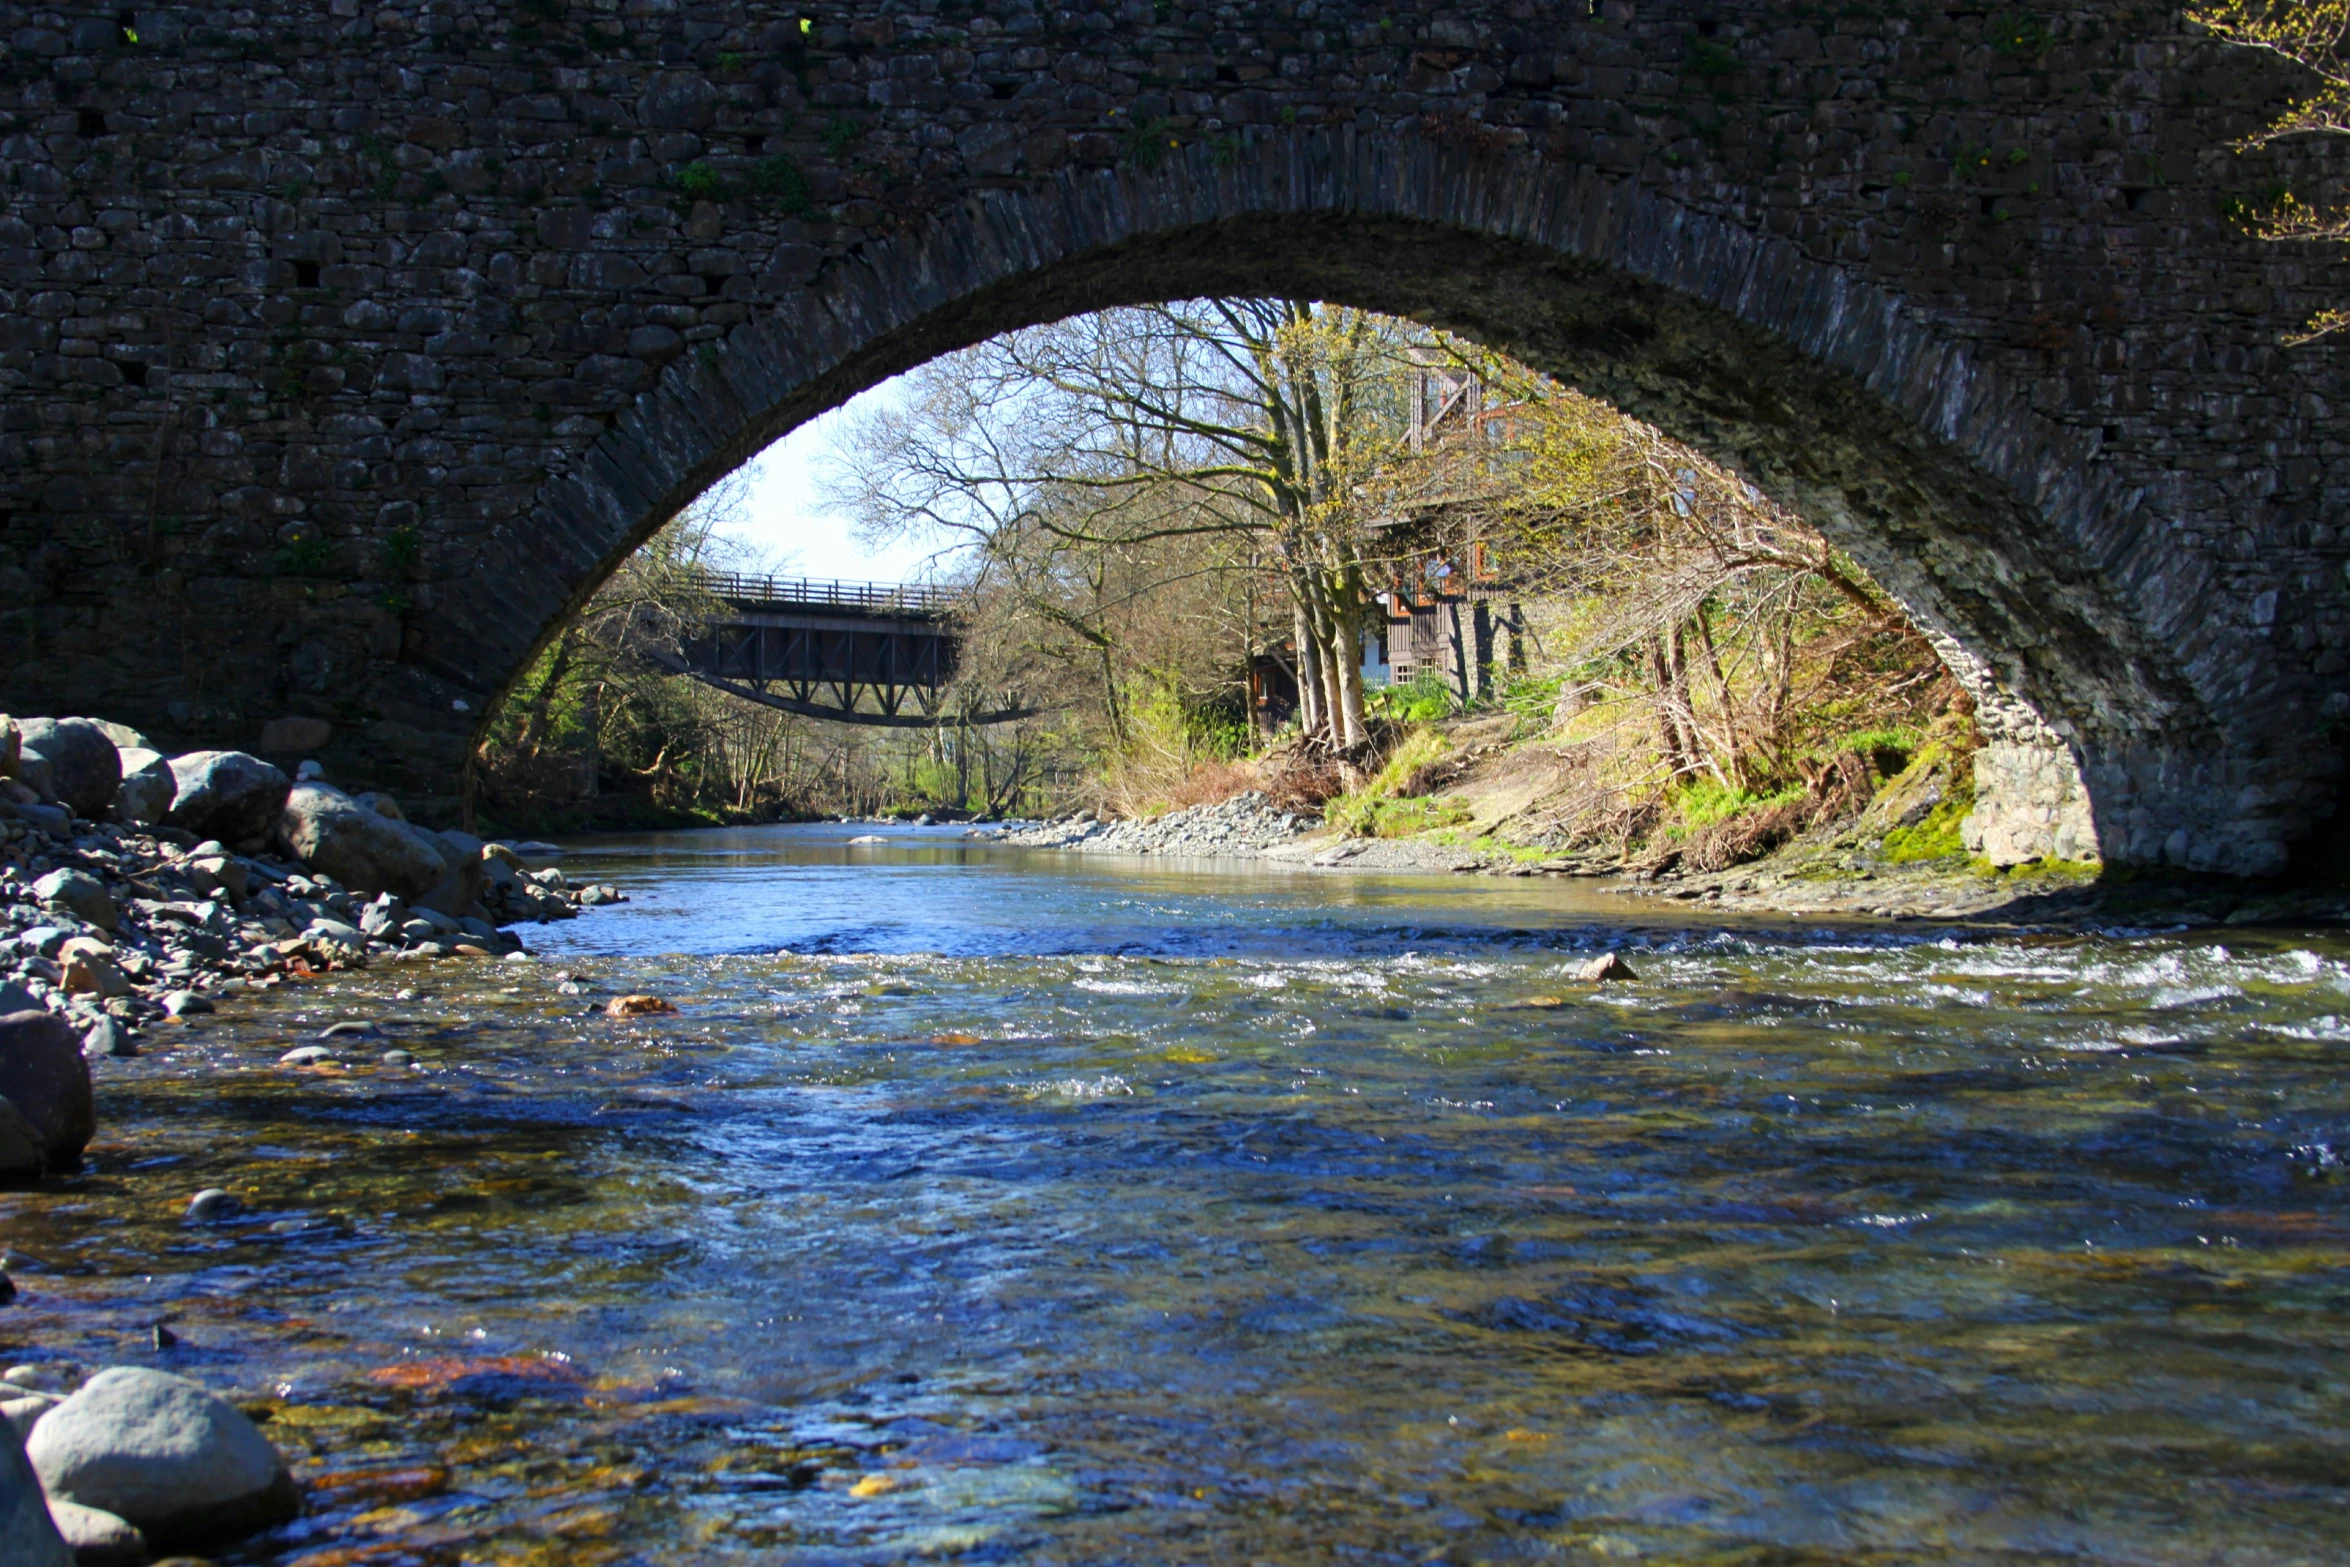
(815,593)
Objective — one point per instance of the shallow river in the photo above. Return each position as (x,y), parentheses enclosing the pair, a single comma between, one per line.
(1034,1208)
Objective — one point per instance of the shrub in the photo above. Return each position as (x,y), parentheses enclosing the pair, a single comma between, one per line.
(1425,699)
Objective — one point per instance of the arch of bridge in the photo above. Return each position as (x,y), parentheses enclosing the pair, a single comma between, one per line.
(341,357)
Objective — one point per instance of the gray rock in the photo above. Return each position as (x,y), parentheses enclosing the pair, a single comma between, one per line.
(181,1465)
(23,1406)
(398,1058)
(186,1003)
(51,819)
(211,873)
(295,734)
(333,834)
(212,1203)
(460,886)
(227,795)
(43,1074)
(44,940)
(335,931)
(54,1377)
(1605,967)
(77,893)
(98,1539)
(35,773)
(306,1055)
(124,736)
(107,1038)
(84,768)
(28,1536)
(146,790)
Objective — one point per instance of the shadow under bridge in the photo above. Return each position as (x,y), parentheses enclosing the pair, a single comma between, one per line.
(852,652)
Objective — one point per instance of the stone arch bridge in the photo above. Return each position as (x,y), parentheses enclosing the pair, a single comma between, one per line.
(345,345)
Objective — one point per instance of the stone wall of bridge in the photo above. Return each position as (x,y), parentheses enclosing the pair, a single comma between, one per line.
(344,348)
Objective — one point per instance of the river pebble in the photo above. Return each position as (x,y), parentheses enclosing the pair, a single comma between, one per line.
(97,1538)
(163,1452)
(212,1204)
(1246,825)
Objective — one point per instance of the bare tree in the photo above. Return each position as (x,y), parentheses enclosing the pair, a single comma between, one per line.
(1112,458)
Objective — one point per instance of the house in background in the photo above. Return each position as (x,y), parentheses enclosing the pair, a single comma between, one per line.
(1447,613)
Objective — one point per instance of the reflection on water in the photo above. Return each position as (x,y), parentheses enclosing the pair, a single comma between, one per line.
(1032,1209)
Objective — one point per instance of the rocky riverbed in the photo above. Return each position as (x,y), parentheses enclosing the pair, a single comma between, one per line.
(1244,826)
(1843,875)
(138,890)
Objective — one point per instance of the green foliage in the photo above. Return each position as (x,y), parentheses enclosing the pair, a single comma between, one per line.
(305,553)
(1711,62)
(780,180)
(2018,34)
(1532,699)
(701,182)
(1218,729)
(1367,815)
(1889,750)
(402,548)
(1426,698)
(1379,809)
(839,134)
(1147,143)
(1701,802)
(1937,836)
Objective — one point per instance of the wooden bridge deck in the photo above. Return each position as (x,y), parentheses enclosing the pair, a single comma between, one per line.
(853,652)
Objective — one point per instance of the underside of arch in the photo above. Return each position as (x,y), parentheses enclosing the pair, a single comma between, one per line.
(2104,677)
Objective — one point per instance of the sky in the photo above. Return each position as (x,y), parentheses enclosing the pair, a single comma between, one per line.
(785,520)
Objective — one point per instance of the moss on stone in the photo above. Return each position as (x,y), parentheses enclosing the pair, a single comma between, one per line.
(1938,835)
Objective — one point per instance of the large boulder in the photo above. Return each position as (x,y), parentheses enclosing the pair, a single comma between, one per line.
(23,1151)
(123,735)
(27,1536)
(43,1075)
(458,891)
(82,765)
(147,788)
(182,1466)
(227,795)
(333,834)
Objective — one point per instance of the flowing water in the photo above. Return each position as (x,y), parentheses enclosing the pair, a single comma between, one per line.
(1023,1207)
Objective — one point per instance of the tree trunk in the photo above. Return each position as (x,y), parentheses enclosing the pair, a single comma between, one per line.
(542,701)
(1333,674)
(1346,654)
(1668,710)
(1309,673)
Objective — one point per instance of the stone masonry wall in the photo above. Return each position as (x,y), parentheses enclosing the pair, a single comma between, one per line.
(344,347)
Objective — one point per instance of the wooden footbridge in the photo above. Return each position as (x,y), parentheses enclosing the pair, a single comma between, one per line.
(852,652)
